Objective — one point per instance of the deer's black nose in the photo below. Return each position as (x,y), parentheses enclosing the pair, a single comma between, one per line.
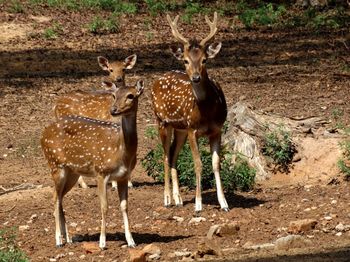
(196,78)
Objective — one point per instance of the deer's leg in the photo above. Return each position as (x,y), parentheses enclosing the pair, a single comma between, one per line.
(71,180)
(59,177)
(123,198)
(165,134)
(179,140)
(198,168)
(102,193)
(215,143)
(82,183)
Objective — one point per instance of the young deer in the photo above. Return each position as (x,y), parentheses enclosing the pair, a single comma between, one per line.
(76,145)
(116,70)
(95,104)
(190,105)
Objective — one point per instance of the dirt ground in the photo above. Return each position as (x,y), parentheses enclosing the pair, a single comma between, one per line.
(294,73)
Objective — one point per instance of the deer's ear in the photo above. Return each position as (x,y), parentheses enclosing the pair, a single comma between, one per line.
(177,52)
(130,61)
(109,85)
(103,62)
(139,87)
(213,49)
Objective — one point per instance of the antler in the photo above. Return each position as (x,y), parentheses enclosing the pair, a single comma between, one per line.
(213,29)
(175,31)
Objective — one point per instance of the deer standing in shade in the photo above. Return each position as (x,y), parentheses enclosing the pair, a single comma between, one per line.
(190,105)
(95,104)
(75,146)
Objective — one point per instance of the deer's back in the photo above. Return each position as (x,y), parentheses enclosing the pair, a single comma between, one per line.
(88,104)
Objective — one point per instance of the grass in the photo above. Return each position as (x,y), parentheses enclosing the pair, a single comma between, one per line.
(279,147)
(16,7)
(9,251)
(238,176)
(98,25)
(344,162)
(53,32)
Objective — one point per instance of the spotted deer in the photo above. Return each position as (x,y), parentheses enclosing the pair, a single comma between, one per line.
(116,70)
(190,105)
(77,145)
(95,104)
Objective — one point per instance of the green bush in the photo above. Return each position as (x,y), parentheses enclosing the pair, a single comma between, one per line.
(157,6)
(16,7)
(9,251)
(264,14)
(344,162)
(278,146)
(104,26)
(53,31)
(240,176)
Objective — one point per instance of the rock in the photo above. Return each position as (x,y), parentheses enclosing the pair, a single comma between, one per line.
(152,249)
(22,228)
(178,219)
(196,220)
(208,247)
(339,234)
(227,229)
(291,241)
(182,254)
(154,257)
(137,255)
(303,225)
(91,247)
(265,246)
(340,227)
(328,218)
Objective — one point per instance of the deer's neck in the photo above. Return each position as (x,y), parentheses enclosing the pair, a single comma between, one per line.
(129,132)
(202,91)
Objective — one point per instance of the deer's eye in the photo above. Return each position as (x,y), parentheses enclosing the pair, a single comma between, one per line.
(123,69)
(186,62)
(130,96)
(111,70)
(204,61)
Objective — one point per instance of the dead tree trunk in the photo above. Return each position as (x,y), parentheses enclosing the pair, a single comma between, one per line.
(247,129)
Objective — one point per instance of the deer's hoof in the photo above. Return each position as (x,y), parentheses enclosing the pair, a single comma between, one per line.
(226,209)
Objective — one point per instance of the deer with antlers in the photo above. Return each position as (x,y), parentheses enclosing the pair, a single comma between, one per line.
(190,105)
(75,146)
(96,104)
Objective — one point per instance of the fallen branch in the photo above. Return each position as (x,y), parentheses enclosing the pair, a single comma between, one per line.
(23,186)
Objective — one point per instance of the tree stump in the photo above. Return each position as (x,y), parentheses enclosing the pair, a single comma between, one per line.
(247,129)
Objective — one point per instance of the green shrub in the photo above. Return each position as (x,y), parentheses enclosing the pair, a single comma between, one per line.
(104,26)
(344,162)
(265,14)
(53,31)
(278,146)
(240,176)
(157,6)
(9,251)
(16,7)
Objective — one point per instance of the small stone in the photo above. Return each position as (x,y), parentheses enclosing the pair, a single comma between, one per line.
(82,257)
(307,209)
(52,259)
(328,218)
(291,241)
(340,227)
(333,202)
(182,253)
(178,219)
(338,234)
(22,228)
(303,225)
(33,217)
(196,220)
(154,257)
(152,249)
(73,224)
(137,255)
(91,247)
(71,253)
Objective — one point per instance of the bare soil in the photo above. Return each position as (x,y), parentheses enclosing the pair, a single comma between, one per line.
(294,73)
